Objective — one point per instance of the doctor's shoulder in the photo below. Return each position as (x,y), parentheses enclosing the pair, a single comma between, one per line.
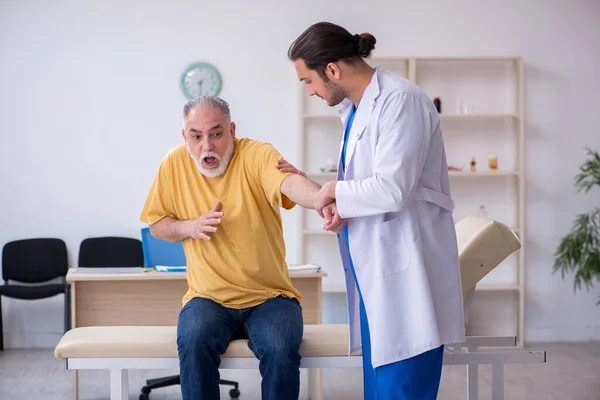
(402,92)
(393,85)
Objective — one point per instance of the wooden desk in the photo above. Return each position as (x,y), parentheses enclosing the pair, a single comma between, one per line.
(154,298)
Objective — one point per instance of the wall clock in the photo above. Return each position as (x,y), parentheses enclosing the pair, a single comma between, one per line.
(200,79)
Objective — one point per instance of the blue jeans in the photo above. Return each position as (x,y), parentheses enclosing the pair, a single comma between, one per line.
(274,330)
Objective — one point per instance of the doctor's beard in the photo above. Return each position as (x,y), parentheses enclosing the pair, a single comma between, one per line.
(223,161)
(337,94)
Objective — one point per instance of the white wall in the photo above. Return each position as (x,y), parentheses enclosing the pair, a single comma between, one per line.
(89,103)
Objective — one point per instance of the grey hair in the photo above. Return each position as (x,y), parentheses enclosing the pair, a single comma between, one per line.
(206,102)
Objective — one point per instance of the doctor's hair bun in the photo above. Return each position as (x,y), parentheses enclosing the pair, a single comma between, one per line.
(365,43)
(325,42)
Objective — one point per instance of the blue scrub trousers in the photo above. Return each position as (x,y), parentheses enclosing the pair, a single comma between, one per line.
(416,378)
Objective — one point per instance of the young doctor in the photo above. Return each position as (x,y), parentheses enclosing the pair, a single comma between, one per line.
(398,241)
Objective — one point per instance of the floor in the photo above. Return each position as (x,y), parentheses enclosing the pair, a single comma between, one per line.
(572,372)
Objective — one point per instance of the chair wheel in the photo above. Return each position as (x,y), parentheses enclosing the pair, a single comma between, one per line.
(144,396)
(233,393)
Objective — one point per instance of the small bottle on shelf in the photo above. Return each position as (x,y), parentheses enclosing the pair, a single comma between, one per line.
(493,163)
(473,164)
(330,166)
(482,212)
(438,104)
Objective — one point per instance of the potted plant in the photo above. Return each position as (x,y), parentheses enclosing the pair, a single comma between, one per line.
(579,250)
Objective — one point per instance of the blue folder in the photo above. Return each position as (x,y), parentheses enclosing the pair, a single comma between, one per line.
(163,253)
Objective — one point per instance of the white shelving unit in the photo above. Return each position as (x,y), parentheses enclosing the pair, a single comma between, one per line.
(492,88)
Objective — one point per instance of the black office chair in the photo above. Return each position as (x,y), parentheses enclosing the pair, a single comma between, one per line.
(35,262)
(110,251)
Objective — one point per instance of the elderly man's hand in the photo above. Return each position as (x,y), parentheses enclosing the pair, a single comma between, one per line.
(324,197)
(333,221)
(200,228)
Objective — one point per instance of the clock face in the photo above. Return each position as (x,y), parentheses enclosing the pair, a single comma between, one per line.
(200,79)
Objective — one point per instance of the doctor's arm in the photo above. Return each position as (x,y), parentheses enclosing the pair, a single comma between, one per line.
(404,135)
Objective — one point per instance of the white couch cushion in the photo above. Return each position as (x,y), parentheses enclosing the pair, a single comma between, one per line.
(160,342)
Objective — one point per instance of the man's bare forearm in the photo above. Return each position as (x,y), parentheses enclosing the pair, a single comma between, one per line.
(300,190)
(170,229)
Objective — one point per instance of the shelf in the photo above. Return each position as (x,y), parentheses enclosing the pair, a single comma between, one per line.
(442,116)
(496,288)
(334,288)
(333,175)
(477,116)
(478,288)
(467,59)
(322,175)
(322,116)
(389,59)
(491,337)
(498,122)
(318,232)
(485,174)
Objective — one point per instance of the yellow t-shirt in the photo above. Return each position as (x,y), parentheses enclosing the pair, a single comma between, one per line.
(244,263)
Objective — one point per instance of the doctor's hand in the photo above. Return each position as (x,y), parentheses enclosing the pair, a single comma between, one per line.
(198,228)
(285,166)
(333,221)
(324,197)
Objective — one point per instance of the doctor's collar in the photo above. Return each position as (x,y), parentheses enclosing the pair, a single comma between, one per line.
(373,89)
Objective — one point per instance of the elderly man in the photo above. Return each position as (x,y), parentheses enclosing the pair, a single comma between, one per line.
(221,197)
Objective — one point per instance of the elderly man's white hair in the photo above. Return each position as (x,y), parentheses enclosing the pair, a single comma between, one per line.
(206,102)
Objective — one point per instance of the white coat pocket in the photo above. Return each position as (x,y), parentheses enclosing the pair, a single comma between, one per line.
(392,248)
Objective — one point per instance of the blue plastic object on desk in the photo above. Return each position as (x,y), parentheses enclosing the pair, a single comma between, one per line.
(161,252)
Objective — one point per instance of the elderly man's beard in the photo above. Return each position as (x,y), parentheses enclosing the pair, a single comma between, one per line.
(223,162)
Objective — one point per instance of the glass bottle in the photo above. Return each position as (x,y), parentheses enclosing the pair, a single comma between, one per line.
(493,163)
(482,212)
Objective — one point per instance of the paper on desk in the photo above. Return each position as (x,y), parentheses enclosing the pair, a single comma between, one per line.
(304,268)
(170,268)
(291,268)
(109,270)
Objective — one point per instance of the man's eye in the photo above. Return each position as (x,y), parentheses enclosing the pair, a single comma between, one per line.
(216,134)
(196,137)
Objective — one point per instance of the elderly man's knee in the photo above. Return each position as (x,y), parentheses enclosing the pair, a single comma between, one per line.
(200,335)
(198,331)
(282,349)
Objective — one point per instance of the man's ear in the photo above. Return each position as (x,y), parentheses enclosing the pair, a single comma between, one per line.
(183,134)
(232,129)
(332,71)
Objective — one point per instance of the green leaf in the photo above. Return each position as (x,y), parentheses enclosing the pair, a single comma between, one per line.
(589,172)
(578,251)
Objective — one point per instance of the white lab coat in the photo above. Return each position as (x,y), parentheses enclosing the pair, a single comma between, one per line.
(401,229)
